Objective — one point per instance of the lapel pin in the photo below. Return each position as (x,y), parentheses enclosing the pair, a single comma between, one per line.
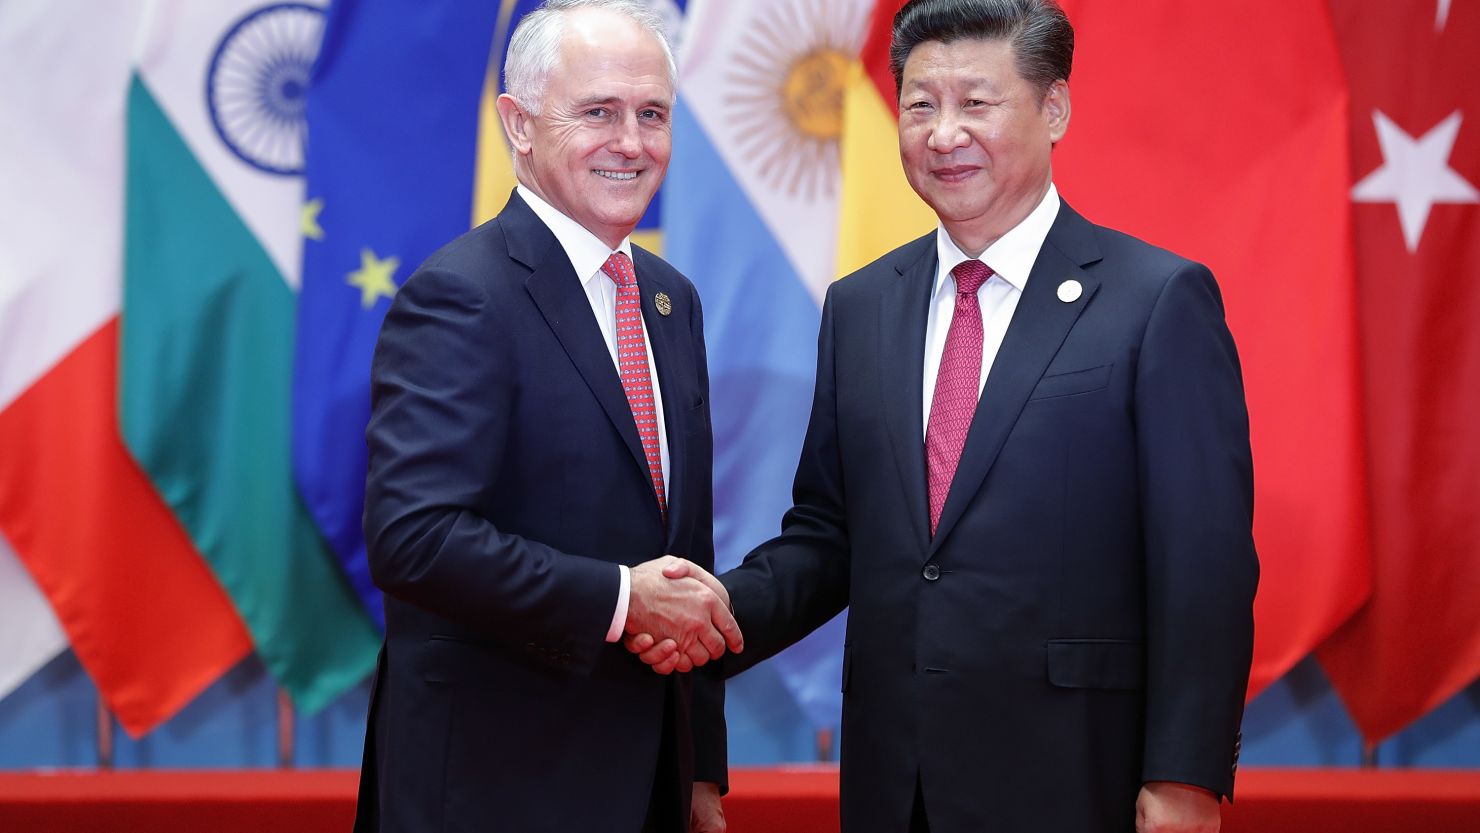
(1070,290)
(663,303)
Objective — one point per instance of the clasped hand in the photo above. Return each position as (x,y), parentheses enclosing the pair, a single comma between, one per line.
(678,616)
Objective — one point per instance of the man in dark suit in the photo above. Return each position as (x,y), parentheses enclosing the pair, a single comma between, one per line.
(1027,475)
(540,434)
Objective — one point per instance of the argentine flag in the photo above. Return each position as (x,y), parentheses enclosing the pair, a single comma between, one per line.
(750,215)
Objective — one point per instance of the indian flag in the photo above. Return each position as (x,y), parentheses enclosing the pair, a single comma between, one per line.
(212,253)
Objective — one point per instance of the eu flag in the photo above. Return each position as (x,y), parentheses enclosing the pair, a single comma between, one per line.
(393,127)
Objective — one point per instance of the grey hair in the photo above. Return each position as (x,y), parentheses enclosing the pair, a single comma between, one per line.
(534,49)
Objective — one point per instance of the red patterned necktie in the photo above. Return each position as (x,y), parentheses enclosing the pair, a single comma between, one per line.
(632,361)
(957,387)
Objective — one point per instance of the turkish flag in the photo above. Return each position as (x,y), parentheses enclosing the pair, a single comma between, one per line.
(1219,130)
(1415,155)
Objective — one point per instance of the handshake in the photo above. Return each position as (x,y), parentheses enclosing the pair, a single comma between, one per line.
(678,616)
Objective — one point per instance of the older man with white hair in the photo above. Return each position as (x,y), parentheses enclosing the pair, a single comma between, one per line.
(539,440)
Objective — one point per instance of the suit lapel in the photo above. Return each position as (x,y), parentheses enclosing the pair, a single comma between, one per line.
(674,371)
(903,308)
(1038,328)
(556,290)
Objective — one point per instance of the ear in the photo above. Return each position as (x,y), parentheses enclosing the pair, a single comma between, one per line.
(516,123)
(1056,110)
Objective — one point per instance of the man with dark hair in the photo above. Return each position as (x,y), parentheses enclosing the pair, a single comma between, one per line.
(1027,474)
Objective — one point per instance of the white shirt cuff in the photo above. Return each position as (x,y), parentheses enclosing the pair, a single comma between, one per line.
(624,594)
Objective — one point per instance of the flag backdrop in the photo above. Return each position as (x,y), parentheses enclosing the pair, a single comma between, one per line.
(211,258)
(1347,198)
(407,153)
(141,610)
(1249,177)
(756,157)
(1415,170)
(393,111)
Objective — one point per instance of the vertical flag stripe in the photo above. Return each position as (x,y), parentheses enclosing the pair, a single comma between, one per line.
(1271,219)
(144,614)
(208,327)
(393,111)
(495,169)
(1415,181)
(33,636)
(148,621)
(880,211)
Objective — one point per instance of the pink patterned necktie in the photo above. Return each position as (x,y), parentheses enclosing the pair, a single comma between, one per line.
(632,361)
(957,387)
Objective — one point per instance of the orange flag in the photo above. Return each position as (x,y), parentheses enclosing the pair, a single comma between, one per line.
(143,612)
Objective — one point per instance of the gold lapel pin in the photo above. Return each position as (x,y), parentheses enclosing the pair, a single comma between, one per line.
(663,303)
(1070,290)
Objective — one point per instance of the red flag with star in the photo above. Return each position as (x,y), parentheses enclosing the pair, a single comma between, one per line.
(1210,130)
(1415,154)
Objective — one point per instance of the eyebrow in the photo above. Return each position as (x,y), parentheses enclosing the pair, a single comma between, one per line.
(611,99)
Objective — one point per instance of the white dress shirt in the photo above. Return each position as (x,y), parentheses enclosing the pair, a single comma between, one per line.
(1011,258)
(587,255)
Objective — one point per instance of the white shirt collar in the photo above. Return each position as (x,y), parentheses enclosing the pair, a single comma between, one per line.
(586,251)
(1012,255)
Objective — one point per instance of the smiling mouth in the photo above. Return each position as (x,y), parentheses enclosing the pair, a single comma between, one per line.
(617,176)
(954,174)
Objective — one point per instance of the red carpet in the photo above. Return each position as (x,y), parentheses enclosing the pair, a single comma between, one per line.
(783,800)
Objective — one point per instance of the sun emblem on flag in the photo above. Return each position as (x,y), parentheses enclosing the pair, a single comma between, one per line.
(786,92)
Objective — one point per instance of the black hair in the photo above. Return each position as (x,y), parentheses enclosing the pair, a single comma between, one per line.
(1040,35)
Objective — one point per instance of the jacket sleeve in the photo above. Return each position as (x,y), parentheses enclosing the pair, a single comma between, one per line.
(440,383)
(1197,502)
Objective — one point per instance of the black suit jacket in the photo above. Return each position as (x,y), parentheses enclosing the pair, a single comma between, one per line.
(1081,622)
(506,482)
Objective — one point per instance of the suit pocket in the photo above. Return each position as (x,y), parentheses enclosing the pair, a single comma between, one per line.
(696,418)
(1076,381)
(1096,663)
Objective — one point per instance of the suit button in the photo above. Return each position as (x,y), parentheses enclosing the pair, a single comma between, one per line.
(931,572)
(529,647)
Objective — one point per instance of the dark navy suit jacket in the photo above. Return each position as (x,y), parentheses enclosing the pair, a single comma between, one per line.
(1081,621)
(506,482)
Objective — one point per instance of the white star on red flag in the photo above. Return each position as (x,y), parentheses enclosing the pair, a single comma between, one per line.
(1415,174)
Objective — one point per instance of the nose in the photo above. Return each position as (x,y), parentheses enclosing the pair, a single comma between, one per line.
(946,134)
(626,139)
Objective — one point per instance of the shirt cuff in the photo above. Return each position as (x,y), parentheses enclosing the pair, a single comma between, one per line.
(624,594)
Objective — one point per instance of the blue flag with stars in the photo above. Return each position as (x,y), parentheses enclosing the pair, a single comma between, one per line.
(393,123)
(394,163)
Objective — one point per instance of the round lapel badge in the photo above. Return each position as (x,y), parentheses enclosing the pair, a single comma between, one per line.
(1070,290)
(663,303)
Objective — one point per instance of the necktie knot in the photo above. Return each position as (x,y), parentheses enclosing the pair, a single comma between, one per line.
(618,267)
(970,275)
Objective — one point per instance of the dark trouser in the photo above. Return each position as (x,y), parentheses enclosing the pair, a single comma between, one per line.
(665,803)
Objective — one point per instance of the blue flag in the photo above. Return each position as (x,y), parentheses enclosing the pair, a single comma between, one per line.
(393,127)
(396,157)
